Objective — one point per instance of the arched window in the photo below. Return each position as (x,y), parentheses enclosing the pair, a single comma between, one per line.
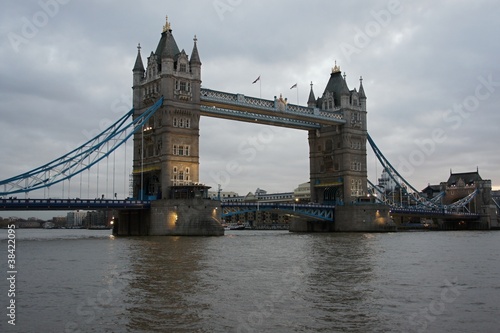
(174,122)
(329,145)
(175,151)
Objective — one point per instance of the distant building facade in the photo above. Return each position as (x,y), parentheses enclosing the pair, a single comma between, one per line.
(265,219)
(302,193)
(75,219)
(460,185)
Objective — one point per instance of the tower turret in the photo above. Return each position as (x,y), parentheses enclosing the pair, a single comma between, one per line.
(138,75)
(311,102)
(361,93)
(195,65)
(167,49)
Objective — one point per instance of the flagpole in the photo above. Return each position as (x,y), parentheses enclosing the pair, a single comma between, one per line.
(296,86)
(297,94)
(260,85)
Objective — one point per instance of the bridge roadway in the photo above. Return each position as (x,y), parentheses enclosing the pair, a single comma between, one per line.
(71,204)
(315,211)
(450,215)
(327,212)
(239,107)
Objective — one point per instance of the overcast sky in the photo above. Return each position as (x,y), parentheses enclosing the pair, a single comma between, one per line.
(430,68)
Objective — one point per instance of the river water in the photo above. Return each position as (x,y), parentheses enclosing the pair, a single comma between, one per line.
(253,281)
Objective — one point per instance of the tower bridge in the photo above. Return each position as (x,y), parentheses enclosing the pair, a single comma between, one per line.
(167,104)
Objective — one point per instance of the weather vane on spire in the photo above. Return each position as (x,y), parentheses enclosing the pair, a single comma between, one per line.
(336,69)
(166,27)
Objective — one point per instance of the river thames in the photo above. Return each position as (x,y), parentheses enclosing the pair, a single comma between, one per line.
(253,281)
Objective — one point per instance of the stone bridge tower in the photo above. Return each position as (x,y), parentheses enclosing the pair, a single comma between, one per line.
(338,169)
(338,153)
(166,151)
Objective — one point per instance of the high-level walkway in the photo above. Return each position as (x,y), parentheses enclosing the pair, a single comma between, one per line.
(225,105)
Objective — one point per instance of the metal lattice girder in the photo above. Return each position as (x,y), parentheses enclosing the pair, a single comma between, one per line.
(71,204)
(408,189)
(81,158)
(320,212)
(271,112)
(496,203)
(462,202)
(212,111)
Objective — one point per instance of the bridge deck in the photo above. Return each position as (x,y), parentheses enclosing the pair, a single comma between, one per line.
(434,213)
(314,211)
(224,105)
(71,204)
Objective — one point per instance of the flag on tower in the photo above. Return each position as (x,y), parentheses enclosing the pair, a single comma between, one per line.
(294,86)
(257,79)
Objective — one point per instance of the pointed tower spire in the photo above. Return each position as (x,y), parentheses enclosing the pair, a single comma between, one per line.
(139,66)
(167,47)
(311,102)
(361,89)
(195,57)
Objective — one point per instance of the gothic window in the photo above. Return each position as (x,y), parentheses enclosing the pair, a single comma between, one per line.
(181,122)
(187,171)
(186,152)
(356,166)
(356,144)
(175,150)
(188,123)
(175,122)
(183,68)
(181,175)
(183,86)
(159,145)
(181,150)
(176,85)
(356,187)
(329,145)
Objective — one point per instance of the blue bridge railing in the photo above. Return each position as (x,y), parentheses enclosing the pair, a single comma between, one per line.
(71,204)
